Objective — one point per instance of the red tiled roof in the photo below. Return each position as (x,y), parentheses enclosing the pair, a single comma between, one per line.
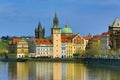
(67,38)
(105,33)
(15,40)
(43,41)
(87,37)
(96,37)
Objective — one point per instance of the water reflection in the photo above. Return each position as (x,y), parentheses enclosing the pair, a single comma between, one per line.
(3,71)
(98,72)
(56,71)
(18,71)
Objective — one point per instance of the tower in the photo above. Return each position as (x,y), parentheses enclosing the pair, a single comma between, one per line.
(39,32)
(114,33)
(56,38)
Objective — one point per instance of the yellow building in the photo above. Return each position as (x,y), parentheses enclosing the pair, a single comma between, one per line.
(75,44)
(69,49)
(96,42)
(18,48)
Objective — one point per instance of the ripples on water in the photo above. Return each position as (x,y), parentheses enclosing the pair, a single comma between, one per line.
(56,71)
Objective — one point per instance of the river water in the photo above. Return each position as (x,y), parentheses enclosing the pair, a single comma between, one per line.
(56,71)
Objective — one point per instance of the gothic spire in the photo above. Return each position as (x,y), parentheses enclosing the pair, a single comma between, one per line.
(55,20)
(39,26)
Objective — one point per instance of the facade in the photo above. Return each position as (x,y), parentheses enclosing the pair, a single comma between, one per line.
(64,51)
(104,41)
(88,41)
(63,43)
(39,32)
(18,48)
(32,47)
(96,43)
(79,44)
(75,44)
(44,48)
(114,33)
(87,38)
(56,38)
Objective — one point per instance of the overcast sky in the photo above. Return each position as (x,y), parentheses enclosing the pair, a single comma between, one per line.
(20,17)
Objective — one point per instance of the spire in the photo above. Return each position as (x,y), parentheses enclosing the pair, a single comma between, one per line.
(43,31)
(116,23)
(39,26)
(35,29)
(89,34)
(55,20)
(66,26)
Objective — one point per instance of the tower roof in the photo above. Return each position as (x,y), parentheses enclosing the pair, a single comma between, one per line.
(55,21)
(116,23)
(39,26)
(66,30)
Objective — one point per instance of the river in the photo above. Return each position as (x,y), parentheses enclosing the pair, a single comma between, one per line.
(56,71)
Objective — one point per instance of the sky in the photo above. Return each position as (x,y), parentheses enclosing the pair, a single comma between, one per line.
(20,17)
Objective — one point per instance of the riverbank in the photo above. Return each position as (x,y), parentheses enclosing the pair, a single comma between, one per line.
(102,61)
(55,59)
(92,61)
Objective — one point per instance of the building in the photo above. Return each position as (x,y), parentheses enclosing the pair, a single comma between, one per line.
(18,48)
(44,48)
(75,44)
(96,41)
(56,38)
(64,51)
(32,47)
(104,41)
(114,33)
(88,41)
(79,44)
(39,32)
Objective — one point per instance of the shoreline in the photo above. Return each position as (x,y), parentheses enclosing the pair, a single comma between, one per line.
(92,61)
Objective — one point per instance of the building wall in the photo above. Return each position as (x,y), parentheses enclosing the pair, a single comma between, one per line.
(44,50)
(104,42)
(69,49)
(22,48)
(18,49)
(56,37)
(79,44)
(64,51)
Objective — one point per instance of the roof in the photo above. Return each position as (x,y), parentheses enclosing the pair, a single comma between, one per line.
(96,37)
(42,41)
(66,30)
(87,37)
(105,33)
(67,38)
(55,21)
(15,41)
(116,23)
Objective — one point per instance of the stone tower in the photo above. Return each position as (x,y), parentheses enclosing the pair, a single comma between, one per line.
(114,33)
(39,32)
(56,38)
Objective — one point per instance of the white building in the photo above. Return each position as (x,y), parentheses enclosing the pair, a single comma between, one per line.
(44,48)
(64,51)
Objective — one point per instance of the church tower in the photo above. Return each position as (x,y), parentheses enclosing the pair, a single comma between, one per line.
(39,32)
(56,38)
